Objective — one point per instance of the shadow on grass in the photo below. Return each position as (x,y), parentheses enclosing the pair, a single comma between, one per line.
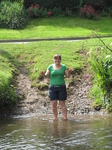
(101,25)
(8,97)
(10,58)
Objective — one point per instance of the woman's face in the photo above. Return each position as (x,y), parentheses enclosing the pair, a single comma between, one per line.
(57,60)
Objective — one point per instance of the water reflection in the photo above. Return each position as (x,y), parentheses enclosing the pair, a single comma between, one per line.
(42,133)
(60,128)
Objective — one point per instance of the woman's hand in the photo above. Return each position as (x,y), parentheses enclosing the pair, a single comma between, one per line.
(42,73)
(47,73)
(70,70)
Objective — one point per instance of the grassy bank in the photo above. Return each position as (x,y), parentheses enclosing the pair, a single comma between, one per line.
(37,56)
(58,27)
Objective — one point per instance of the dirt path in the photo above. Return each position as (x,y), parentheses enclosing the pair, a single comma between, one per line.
(31,101)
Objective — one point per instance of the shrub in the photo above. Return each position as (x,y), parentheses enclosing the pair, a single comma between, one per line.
(107,12)
(97,4)
(97,94)
(110,11)
(104,13)
(7,93)
(108,3)
(68,12)
(45,3)
(35,11)
(89,12)
(101,63)
(73,5)
(56,11)
(57,7)
(7,89)
(12,15)
(19,1)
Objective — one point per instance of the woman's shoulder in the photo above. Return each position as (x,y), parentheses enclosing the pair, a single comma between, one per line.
(50,66)
(64,66)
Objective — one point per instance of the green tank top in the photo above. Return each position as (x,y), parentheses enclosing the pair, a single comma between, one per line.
(57,76)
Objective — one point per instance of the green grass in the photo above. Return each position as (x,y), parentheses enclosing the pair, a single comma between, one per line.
(38,55)
(58,27)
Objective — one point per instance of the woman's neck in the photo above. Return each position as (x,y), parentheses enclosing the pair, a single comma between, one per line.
(57,66)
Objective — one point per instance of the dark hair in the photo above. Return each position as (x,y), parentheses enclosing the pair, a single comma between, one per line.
(57,56)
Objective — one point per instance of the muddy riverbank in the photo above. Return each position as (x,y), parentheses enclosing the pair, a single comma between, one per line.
(36,100)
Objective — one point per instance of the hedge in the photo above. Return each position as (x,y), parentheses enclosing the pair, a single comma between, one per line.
(71,4)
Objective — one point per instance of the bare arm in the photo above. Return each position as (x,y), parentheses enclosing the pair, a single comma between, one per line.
(47,73)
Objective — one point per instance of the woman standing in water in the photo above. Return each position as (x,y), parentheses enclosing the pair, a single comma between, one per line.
(57,88)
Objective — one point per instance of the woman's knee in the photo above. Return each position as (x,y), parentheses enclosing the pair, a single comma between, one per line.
(54,103)
(62,103)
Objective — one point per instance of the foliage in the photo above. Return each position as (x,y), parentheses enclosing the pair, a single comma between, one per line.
(107,12)
(35,11)
(12,15)
(96,4)
(56,11)
(7,93)
(110,11)
(108,3)
(68,12)
(101,63)
(96,94)
(89,12)
(18,1)
(73,5)
(104,13)
(42,3)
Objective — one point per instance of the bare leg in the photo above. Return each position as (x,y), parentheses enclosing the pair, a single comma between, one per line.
(64,109)
(54,109)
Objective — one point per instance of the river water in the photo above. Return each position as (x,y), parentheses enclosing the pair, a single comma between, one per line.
(42,133)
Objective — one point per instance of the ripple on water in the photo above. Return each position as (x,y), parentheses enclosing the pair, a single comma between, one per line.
(43,134)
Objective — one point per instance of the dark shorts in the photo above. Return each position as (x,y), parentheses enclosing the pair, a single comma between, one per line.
(57,92)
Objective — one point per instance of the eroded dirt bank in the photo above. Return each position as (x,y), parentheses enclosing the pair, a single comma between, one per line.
(34,100)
